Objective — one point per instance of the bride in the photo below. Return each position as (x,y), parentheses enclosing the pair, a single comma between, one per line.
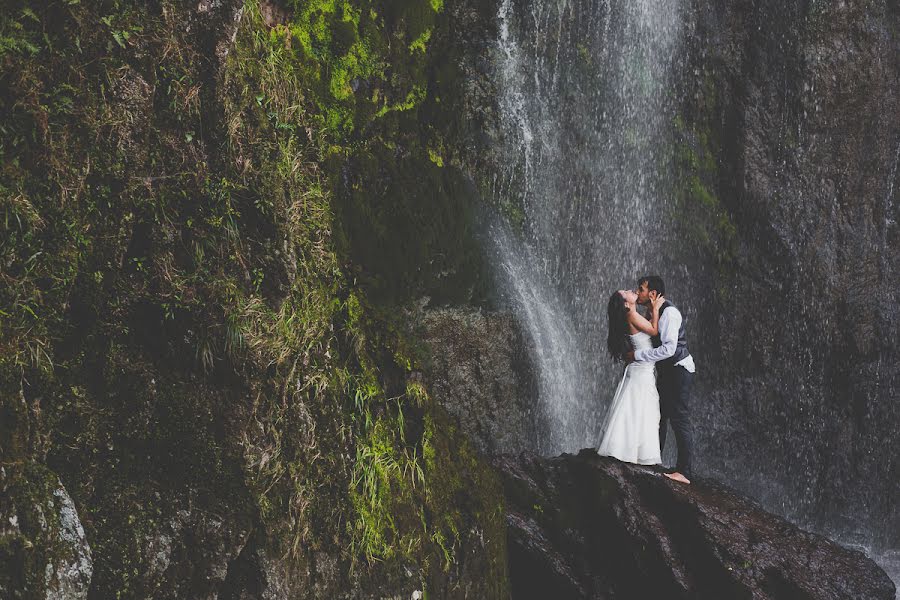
(631,430)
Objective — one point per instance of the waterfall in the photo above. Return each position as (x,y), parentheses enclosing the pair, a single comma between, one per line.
(586,113)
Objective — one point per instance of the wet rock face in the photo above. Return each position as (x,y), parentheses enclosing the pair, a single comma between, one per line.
(591,527)
(794,337)
(479,370)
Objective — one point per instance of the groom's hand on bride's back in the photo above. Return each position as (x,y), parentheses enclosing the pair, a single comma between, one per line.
(629,357)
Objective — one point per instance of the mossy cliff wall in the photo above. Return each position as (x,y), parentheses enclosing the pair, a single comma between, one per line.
(209,211)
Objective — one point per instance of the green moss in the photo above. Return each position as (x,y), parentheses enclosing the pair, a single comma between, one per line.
(347,45)
(413,98)
(453,472)
(702,215)
(699,193)
(421,42)
(435,157)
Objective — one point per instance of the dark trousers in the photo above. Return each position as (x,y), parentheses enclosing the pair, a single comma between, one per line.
(674,386)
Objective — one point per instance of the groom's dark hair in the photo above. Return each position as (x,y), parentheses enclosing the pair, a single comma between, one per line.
(654,282)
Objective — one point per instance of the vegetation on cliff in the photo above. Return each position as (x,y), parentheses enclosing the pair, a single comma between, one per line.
(192,323)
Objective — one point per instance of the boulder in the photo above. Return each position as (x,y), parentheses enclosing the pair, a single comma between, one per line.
(587,526)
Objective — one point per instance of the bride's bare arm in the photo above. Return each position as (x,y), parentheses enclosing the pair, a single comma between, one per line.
(642,324)
(650,327)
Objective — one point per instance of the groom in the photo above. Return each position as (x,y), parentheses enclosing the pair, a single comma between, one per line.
(674,375)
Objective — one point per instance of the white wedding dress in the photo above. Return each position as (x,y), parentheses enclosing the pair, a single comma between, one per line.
(631,430)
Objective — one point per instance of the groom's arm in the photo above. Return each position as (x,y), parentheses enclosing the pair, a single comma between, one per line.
(669,323)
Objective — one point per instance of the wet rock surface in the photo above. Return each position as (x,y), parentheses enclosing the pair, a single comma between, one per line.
(479,369)
(795,103)
(592,527)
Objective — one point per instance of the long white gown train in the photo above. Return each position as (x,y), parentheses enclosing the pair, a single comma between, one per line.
(631,430)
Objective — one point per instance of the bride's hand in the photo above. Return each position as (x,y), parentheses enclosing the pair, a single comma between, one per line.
(658,302)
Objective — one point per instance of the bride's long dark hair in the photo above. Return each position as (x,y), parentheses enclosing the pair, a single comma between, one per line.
(617,339)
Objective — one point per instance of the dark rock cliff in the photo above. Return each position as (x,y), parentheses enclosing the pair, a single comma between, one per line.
(789,125)
(592,527)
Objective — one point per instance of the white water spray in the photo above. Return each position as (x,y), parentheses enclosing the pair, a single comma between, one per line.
(586,113)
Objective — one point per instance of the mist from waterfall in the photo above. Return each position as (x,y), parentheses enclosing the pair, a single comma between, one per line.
(586,111)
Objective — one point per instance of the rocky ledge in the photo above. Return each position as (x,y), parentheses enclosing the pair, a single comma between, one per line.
(587,526)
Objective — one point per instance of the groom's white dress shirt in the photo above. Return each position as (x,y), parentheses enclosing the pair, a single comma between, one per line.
(669,324)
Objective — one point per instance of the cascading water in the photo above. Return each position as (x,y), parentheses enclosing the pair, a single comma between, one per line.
(586,112)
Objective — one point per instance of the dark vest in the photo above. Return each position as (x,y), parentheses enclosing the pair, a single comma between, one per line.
(681,350)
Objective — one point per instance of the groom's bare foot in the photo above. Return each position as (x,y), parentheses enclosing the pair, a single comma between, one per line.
(676,476)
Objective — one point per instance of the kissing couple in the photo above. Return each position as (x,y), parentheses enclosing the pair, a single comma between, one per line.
(656,386)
